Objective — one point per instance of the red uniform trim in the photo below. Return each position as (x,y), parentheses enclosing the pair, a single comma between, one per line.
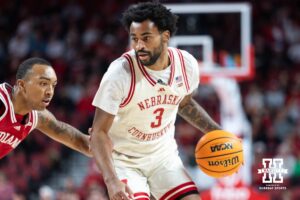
(141,195)
(187,86)
(6,95)
(177,191)
(145,73)
(5,106)
(171,55)
(132,83)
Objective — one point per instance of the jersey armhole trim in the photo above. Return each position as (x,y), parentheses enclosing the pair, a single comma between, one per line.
(2,100)
(145,73)
(132,82)
(171,55)
(9,103)
(34,116)
(187,86)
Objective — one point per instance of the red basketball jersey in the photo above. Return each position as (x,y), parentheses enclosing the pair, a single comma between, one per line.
(12,132)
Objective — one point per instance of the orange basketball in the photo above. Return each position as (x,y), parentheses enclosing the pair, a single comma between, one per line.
(219,153)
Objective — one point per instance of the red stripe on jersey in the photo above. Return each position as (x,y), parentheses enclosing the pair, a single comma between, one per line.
(145,73)
(172,66)
(8,102)
(34,117)
(183,70)
(4,105)
(132,83)
(140,194)
(189,186)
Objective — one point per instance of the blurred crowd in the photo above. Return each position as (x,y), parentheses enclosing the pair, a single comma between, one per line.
(81,38)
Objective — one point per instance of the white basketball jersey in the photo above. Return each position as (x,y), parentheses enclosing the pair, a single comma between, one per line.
(144,123)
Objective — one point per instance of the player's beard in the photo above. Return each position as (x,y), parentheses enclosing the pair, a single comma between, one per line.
(153,56)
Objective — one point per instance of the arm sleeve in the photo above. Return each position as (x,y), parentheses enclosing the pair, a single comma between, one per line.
(113,88)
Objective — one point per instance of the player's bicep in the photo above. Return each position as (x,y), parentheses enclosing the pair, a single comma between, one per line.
(46,121)
(186,100)
(108,97)
(55,129)
(63,132)
(102,121)
(49,125)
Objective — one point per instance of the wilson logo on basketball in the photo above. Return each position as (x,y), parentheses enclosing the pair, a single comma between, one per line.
(221,147)
(228,162)
(219,153)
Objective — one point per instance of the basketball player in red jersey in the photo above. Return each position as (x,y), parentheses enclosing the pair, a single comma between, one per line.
(23,108)
(136,107)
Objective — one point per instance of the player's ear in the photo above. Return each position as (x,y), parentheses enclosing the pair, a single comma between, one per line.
(21,84)
(166,36)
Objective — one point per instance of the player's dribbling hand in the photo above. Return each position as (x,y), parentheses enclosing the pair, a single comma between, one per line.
(118,190)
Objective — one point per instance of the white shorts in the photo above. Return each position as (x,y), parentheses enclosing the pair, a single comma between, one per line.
(164,177)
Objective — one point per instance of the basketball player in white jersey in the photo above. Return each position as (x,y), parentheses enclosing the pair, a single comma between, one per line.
(136,106)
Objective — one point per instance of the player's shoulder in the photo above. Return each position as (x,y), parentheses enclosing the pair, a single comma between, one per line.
(5,100)
(120,65)
(43,117)
(118,71)
(186,55)
(6,87)
(5,91)
(189,60)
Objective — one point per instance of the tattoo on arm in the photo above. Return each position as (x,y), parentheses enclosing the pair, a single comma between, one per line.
(192,112)
(63,132)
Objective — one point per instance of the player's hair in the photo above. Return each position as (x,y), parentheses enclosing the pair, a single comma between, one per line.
(27,65)
(162,17)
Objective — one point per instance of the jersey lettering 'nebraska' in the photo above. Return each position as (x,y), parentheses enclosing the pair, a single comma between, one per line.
(159,100)
(9,139)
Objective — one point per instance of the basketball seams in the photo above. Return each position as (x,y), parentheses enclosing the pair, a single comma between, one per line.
(198,149)
(220,155)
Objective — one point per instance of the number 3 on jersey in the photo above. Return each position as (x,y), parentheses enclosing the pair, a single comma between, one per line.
(158,117)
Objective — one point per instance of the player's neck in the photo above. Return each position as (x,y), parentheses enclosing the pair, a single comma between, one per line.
(162,62)
(19,102)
